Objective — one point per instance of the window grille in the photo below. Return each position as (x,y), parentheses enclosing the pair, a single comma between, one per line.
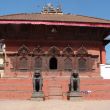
(82,64)
(23,63)
(38,63)
(68,64)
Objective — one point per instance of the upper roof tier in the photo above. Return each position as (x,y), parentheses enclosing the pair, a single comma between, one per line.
(53,17)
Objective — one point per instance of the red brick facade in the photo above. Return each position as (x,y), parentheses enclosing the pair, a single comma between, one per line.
(55,83)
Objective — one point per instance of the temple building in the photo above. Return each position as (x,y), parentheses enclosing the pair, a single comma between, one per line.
(51,55)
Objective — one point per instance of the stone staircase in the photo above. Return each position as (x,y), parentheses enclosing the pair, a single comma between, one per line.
(55,89)
(16,88)
(55,85)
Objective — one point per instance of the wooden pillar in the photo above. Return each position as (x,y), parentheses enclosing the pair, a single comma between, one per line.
(30,66)
(103,56)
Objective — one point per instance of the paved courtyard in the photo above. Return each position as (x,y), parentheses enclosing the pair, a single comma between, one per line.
(54,105)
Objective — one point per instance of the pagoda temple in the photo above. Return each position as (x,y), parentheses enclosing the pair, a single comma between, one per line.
(52,55)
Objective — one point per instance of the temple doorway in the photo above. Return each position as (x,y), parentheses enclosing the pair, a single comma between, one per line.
(53,63)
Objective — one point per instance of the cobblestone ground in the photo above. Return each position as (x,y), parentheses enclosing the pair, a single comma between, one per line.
(54,105)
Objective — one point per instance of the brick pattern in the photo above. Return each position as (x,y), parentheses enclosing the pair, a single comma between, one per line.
(55,86)
(16,88)
(94,88)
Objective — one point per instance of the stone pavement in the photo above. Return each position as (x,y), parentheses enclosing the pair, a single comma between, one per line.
(54,105)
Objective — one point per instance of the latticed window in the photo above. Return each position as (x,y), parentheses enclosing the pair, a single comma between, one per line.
(68,64)
(82,64)
(22,58)
(38,63)
(23,63)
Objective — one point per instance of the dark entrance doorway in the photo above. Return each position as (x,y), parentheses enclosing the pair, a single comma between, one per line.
(53,63)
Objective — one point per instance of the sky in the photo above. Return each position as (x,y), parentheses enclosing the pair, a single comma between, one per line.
(93,8)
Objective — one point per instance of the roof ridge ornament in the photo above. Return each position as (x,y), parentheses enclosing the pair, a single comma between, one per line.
(50,9)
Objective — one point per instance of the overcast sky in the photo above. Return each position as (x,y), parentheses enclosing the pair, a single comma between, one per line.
(94,8)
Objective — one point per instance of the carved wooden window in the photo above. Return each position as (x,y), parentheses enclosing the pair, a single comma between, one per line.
(38,51)
(23,63)
(38,63)
(22,58)
(23,51)
(54,51)
(82,51)
(82,63)
(68,51)
(13,63)
(68,64)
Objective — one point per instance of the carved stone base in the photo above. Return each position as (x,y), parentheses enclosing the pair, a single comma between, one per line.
(38,96)
(73,96)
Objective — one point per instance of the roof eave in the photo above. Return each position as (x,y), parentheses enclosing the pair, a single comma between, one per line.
(64,23)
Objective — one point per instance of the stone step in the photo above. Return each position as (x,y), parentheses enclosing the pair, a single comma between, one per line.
(15,95)
(75,96)
(51,82)
(54,83)
(38,96)
(54,80)
(56,97)
(57,93)
(95,87)
(14,81)
(98,95)
(55,90)
(76,99)
(56,86)
(94,81)
(16,84)
(16,87)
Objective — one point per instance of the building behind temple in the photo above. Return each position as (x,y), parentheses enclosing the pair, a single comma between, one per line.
(51,46)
